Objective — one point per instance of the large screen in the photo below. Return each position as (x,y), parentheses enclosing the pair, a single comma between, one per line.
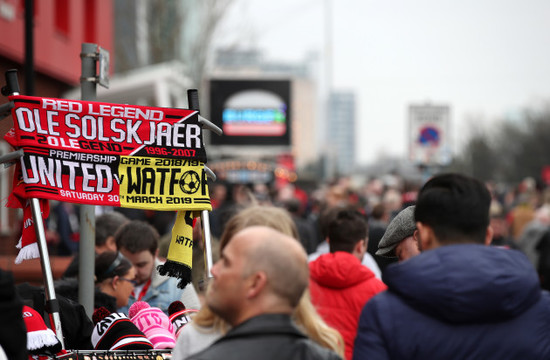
(251,112)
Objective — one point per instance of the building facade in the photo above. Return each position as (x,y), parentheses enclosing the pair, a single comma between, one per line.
(59,29)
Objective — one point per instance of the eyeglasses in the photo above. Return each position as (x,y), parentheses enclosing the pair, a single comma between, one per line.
(133,282)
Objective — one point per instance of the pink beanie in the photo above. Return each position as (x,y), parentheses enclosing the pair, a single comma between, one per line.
(154,324)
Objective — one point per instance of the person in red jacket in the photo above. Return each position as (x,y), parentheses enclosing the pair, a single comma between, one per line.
(339,284)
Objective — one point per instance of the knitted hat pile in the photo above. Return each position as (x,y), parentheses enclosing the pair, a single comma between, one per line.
(154,323)
(179,315)
(114,331)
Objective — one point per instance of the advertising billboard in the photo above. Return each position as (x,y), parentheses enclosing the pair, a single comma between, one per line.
(251,112)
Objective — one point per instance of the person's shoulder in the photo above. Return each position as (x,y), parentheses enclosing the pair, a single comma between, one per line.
(544,300)
(382,302)
(163,281)
(302,349)
(215,351)
(193,339)
(169,287)
(373,285)
(313,256)
(306,349)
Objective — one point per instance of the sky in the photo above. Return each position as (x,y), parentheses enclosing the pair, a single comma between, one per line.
(487,59)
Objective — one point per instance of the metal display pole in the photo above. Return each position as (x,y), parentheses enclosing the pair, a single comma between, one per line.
(205,223)
(29,47)
(86,265)
(193,102)
(52,304)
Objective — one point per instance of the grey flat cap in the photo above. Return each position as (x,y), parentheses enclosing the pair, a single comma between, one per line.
(402,226)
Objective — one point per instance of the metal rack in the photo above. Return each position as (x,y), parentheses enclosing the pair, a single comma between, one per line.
(52,304)
(91,53)
(116,354)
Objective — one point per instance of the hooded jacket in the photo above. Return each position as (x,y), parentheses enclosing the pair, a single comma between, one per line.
(340,286)
(458,302)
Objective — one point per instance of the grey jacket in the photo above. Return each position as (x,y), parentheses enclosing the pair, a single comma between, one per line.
(269,336)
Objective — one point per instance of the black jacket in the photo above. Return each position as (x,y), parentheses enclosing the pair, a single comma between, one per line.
(76,325)
(13,331)
(69,288)
(270,336)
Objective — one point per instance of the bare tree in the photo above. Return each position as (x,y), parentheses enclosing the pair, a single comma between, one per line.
(175,30)
(511,151)
(196,49)
(165,21)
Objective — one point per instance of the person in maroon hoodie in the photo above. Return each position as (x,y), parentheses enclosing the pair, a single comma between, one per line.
(339,284)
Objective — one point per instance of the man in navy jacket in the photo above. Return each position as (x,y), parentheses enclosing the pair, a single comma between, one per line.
(459,299)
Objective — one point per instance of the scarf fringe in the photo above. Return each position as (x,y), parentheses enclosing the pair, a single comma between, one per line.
(27,253)
(42,340)
(177,270)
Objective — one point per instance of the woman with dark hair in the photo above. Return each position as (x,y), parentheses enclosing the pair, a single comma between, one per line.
(114,278)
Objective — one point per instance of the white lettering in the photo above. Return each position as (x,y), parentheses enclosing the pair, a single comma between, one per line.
(75,127)
(51,122)
(89,128)
(25,119)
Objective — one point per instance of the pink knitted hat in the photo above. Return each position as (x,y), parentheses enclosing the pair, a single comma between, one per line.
(154,324)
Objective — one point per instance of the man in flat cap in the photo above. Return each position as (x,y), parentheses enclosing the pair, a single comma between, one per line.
(459,298)
(401,237)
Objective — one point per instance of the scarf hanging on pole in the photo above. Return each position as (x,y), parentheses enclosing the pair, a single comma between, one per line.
(180,253)
(28,248)
(96,153)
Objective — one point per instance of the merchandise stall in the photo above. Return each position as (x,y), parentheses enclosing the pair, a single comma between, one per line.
(92,153)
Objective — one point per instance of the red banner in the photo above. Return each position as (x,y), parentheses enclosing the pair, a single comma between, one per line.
(109,154)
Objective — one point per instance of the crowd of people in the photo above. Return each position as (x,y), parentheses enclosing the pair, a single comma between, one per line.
(453,268)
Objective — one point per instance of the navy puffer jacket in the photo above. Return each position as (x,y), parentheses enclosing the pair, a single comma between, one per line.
(458,302)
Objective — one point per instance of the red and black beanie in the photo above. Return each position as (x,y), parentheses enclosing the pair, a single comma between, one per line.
(117,332)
